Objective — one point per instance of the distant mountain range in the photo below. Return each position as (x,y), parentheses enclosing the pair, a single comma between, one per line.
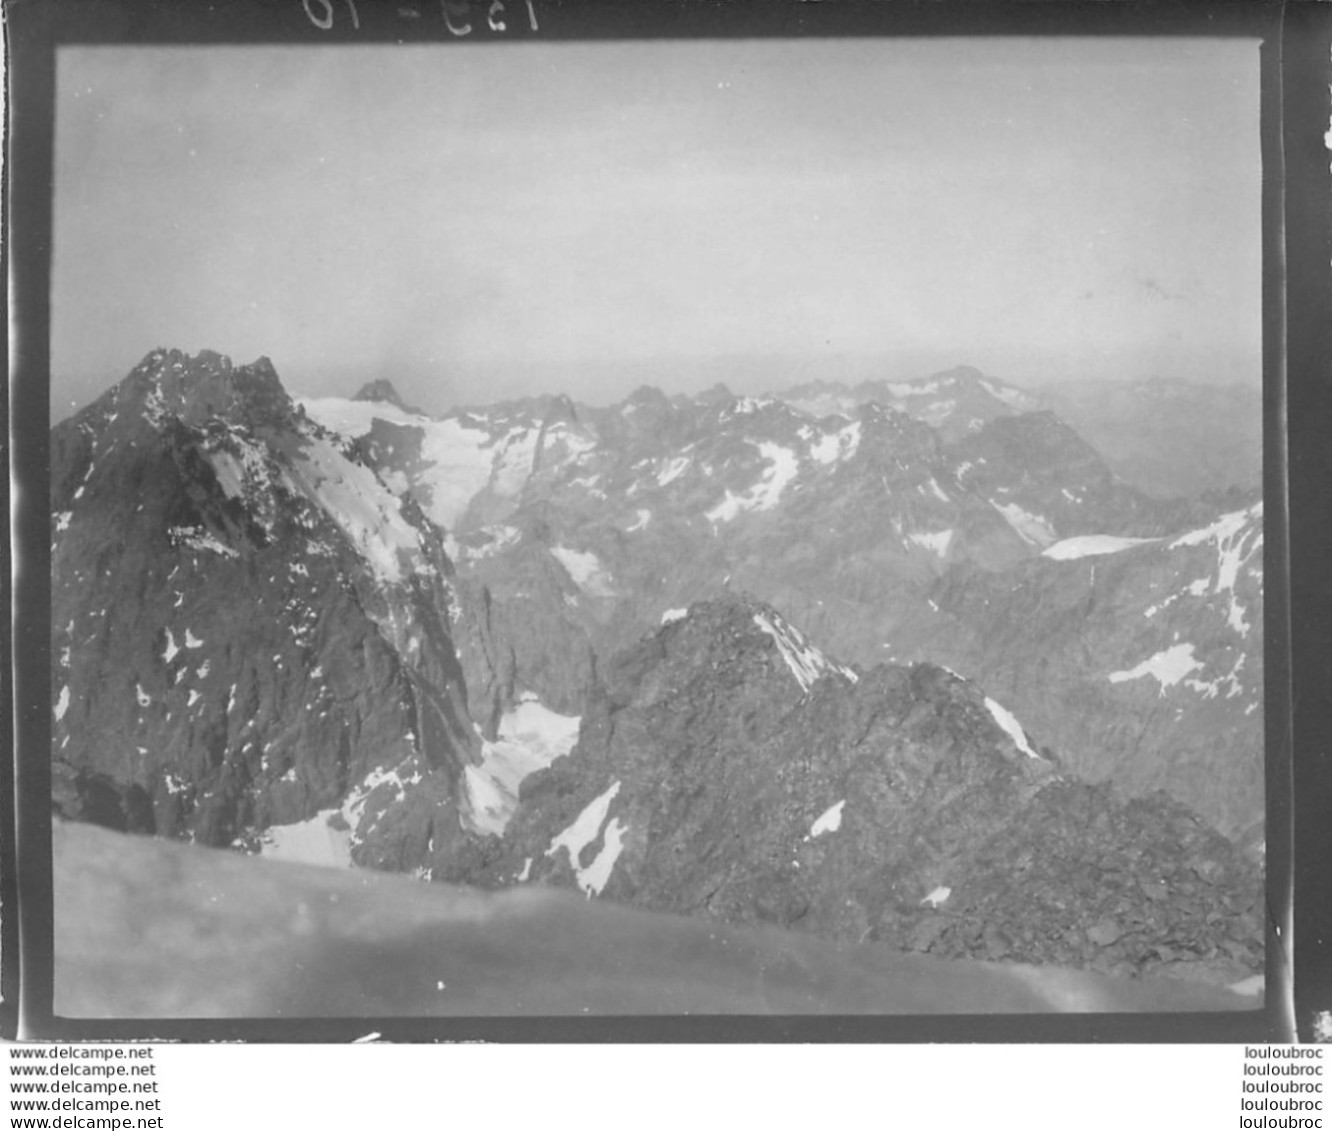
(881,538)
(542,643)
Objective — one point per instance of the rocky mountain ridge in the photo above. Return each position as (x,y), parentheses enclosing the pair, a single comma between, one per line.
(900,805)
(260,634)
(582,526)
(247,625)
(1141,660)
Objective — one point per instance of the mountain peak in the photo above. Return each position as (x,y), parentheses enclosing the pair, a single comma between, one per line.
(205,388)
(647,395)
(717,633)
(380,391)
(718,394)
(958,373)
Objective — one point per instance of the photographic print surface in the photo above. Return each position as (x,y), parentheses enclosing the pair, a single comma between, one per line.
(657,527)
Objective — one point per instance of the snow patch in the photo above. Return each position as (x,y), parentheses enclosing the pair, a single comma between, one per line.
(1167,667)
(838,445)
(672,471)
(1223,529)
(530,738)
(461,460)
(1010,726)
(937,897)
(743,406)
(501,538)
(1237,539)
(828,822)
(592,879)
(1092,545)
(196,538)
(1230,681)
(586,570)
(366,511)
(169,652)
(670,616)
(764,494)
(644,517)
(309,842)
(1031,528)
(514,458)
(353,807)
(1011,397)
(937,541)
(62,704)
(804,660)
(355,418)
(936,412)
(912,389)
(584,830)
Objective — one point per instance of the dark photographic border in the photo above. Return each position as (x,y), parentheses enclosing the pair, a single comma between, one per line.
(1296,38)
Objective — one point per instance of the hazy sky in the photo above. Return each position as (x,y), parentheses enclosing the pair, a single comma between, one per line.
(487,220)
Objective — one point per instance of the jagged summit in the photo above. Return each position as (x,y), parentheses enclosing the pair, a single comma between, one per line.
(739,625)
(381,391)
(199,390)
(559,408)
(857,805)
(248,626)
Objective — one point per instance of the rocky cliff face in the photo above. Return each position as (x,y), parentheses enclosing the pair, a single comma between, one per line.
(248,627)
(1141,661)
(730,769)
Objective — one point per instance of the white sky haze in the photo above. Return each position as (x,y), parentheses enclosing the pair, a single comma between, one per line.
(492,220)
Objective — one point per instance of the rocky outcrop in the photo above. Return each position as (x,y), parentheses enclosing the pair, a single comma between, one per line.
(248,627)
(729,769)
(1142,661)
